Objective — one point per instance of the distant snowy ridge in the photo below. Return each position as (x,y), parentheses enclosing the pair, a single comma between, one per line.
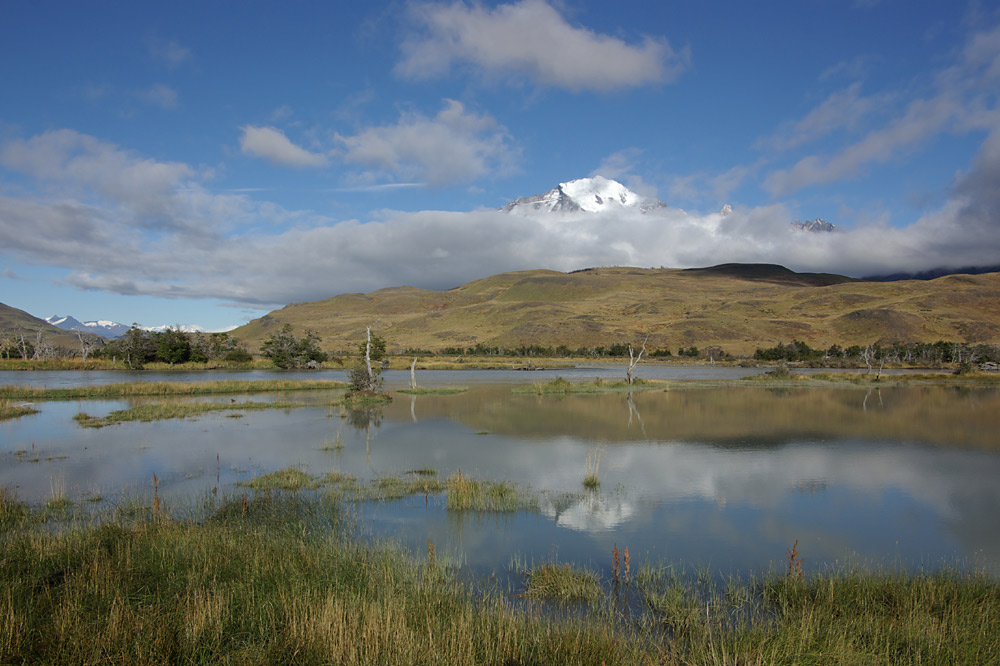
(183,328)
(102,327)
(588,195)
(112,329)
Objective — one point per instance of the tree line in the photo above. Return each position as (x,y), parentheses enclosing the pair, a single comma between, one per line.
(923,353)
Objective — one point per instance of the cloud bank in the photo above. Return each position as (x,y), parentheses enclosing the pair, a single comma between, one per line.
(122,223)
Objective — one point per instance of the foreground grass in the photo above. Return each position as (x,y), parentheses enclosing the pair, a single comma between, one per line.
(140,389)
(277,578)
(9,410)
(269,580)
(560,386)
(161,412)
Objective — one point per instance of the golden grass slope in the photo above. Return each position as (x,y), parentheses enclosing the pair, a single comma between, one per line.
(736,306)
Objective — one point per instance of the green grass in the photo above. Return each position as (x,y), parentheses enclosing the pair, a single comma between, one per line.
(563,583)
(465,494)
(560,386)
(434,391)
(139,389)
(9,410)
(283,479)
(160,412)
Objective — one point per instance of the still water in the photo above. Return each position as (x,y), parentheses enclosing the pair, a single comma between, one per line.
(723,479)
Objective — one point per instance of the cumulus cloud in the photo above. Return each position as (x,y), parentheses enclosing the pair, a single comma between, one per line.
(530,38)
(272,144)
(456,145)
(118,222)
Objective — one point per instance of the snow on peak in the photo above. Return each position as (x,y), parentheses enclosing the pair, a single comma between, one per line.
(598,193)
(590,195)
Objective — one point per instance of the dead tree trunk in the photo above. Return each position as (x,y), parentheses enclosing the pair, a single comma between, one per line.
(633,361)
(368,358)
(413,373)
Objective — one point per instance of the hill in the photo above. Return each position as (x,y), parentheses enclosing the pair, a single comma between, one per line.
(14,323)
(738,307)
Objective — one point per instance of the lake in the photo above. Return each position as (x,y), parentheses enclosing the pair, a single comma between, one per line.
(721,479)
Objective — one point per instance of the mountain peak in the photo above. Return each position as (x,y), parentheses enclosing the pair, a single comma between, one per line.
(589,195)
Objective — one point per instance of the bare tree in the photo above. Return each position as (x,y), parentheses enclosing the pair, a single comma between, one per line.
(413,373)
(634,361)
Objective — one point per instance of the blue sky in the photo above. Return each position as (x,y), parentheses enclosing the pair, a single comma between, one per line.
(203,163)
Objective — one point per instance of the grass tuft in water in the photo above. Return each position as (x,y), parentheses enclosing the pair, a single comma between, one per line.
(8,410)
(563,583)
(160,412)
(560,386)
(283,479)
(466,494)
(434,391)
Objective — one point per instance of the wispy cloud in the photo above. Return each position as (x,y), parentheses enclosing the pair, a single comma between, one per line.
(169,52)
(272,144)
(531,39)
(159,95)
(961,98)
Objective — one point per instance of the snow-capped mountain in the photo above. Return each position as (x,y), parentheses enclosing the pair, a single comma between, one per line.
(816,226)
(112,329)
(589,195)
(104,328)
(183,328)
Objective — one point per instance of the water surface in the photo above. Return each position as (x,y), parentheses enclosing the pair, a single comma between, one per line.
(719,478)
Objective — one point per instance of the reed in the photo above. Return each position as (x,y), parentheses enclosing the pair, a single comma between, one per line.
(591,480)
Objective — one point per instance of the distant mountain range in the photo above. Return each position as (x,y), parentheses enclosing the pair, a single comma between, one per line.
(111,329)
(107,329)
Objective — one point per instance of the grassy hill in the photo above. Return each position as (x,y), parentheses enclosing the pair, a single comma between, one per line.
(14,323)
(736,306)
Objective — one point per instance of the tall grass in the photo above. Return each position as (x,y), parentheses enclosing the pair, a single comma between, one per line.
(278,578)
(137,389)
(259,583)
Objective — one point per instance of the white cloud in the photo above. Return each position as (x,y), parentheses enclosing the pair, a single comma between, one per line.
(272,144)
(530,38)
(454,146)
(159,95)
(118,222)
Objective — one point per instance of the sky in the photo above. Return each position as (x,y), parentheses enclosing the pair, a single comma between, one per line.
(206,162)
